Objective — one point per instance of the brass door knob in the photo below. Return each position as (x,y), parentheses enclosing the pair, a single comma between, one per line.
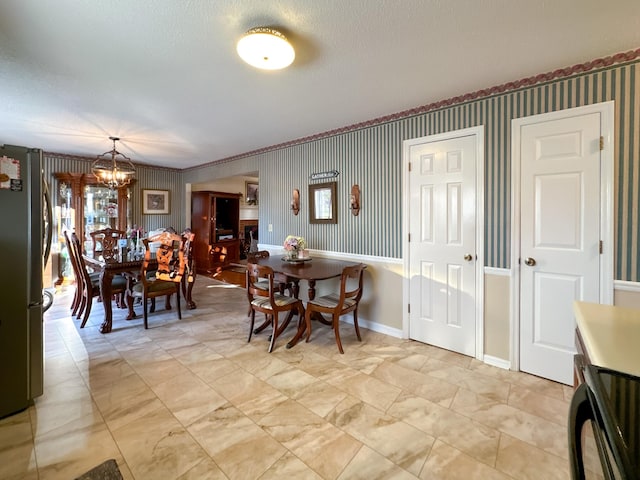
(529,261)
(468,257)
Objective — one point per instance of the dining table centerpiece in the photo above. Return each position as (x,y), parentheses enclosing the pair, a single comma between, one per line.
(293,246)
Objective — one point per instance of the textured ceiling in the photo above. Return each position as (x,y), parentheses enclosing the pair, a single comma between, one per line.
(164,76)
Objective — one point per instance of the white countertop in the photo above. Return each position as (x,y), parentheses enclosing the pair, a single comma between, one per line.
(611,335)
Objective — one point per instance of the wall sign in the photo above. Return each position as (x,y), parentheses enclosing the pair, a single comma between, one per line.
(323,175)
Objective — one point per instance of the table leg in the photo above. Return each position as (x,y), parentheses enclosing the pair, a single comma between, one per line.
(187,287)
(302,326)
(105,293)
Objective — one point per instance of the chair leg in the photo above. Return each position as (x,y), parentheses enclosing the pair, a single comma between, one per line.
(83,305)
(307,321)
(336,329)
(178,303)
(253,319)
(145,315)
(132,314)
(274,334)
(87,311)
(355,323)
(76,300)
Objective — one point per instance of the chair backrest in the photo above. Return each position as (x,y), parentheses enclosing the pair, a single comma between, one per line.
(105,243)
(73,258)
(255,288)
(169,255)
(82,266)
(351,283)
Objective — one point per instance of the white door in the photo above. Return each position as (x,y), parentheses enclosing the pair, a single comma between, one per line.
(442,246)
(559,238)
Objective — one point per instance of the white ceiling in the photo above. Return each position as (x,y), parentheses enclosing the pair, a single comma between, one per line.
(164,76)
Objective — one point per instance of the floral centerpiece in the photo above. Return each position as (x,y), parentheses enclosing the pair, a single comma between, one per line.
(135,235)
(294,245)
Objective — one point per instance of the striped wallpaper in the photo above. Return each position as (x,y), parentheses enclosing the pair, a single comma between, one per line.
(371,156)
(146,178)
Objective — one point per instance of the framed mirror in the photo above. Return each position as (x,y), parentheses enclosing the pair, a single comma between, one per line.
(322,203)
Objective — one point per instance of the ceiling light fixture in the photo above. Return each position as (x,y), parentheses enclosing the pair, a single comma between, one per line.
(266,48)
(112,172)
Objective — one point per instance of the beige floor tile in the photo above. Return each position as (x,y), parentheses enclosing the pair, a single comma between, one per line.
(17,455)
(431,388)
(126,401)
(368,464)
(192,399)
(448,463)
(368,389)
(550,408)
(157,446)
(188,397)
(523,461)
(74,448)
(318,443)
(548,436)
(205,470)
(237,445)
(401,443)
(471,437)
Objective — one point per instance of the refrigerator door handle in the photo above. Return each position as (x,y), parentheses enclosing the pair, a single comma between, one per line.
(48,221)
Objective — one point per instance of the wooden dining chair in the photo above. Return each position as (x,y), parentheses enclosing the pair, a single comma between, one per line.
(161,280)
(189,276)
(341,303)
(91,283)
(105,243)
(77,296)
(269,301)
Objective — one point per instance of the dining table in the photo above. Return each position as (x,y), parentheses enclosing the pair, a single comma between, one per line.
(309,269)
(130,267)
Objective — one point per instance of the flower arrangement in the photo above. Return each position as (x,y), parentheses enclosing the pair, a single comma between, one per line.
(136,234)
(294,244)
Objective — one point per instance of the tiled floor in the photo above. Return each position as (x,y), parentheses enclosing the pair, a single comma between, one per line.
(191,399)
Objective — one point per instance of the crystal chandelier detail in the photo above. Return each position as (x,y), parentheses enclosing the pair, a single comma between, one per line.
(112,168)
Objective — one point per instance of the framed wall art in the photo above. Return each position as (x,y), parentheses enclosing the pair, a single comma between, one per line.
(251,193)
(155,202)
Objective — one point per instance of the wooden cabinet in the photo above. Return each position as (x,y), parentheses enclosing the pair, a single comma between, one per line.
(215,220)
(84,205)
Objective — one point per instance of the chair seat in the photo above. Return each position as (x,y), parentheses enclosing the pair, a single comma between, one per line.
(332,300)
(118,282)
(280,300)
(152,287)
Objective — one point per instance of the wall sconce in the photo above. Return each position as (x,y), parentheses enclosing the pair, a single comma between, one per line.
(354,200)
(295,201)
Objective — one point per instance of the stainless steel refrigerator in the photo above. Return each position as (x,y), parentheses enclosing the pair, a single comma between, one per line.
(24,228)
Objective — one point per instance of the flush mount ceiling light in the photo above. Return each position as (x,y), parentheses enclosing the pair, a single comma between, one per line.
(266,48)
(112,168)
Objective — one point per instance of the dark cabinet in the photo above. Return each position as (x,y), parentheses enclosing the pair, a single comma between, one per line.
(215,220)
(84,206)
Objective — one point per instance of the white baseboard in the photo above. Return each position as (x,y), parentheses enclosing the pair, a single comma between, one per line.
(374,326)
(497,362)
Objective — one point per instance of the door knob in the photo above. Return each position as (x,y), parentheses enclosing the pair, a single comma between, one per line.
(529,261)
(468,257)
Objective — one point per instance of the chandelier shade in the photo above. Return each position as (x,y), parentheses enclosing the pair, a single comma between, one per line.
(266,48)
(112,168)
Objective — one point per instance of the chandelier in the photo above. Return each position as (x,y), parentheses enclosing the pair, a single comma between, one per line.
(266,48)
(112,171)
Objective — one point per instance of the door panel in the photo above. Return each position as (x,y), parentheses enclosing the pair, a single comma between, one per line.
(560,222)
(442,286)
